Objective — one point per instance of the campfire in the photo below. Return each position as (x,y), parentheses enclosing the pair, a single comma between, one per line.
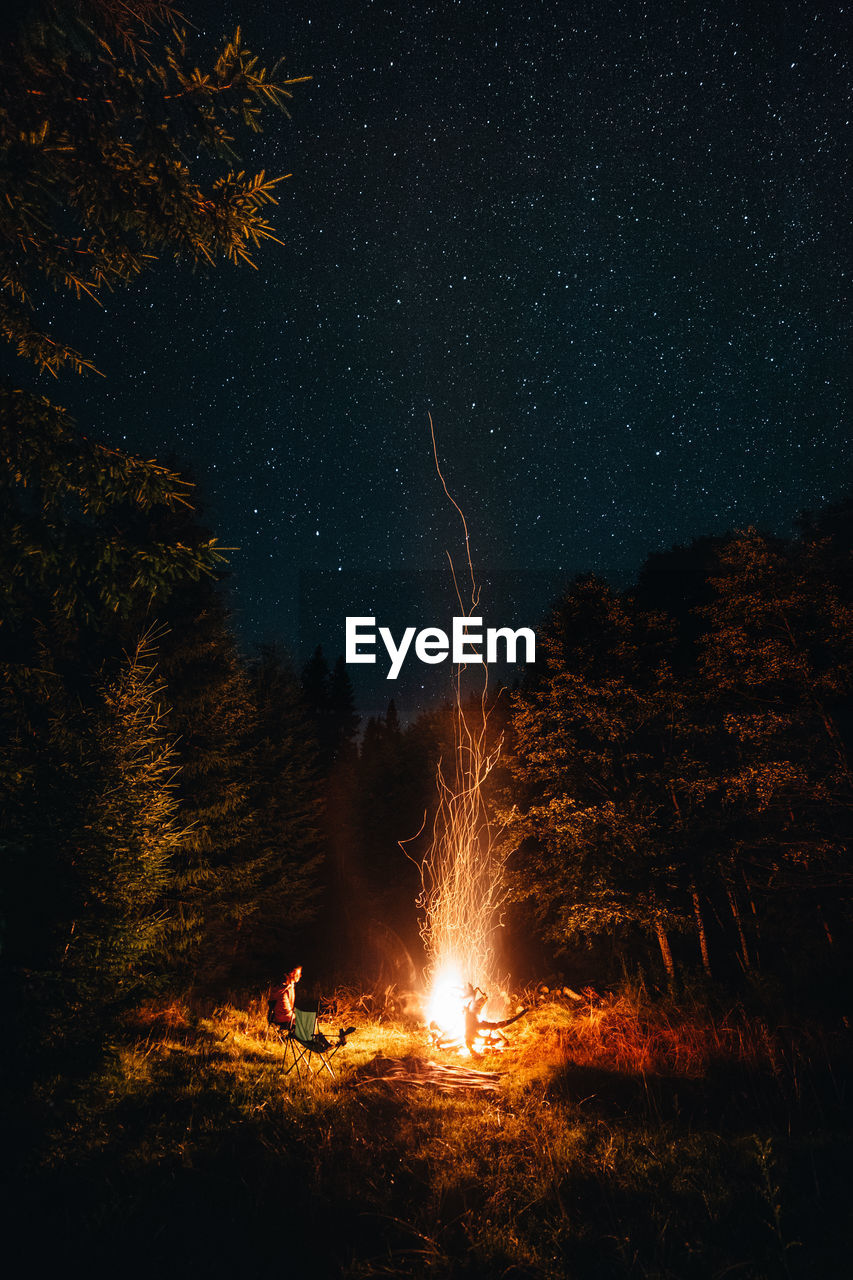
(463,881)
(463,1017)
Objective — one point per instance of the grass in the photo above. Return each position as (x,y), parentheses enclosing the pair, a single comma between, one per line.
(627,1140)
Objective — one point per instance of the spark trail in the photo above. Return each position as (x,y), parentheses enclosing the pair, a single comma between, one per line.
(462,875)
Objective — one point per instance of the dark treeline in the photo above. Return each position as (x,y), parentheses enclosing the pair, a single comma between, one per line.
(159,800)
(161,794)
(680,771)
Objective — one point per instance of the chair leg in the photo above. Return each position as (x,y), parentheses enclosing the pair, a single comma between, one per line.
(326,1061)
(301,1058)
(295,1062)
(326,1065)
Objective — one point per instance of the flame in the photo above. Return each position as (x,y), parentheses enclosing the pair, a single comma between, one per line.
(445,1005)
(463,884)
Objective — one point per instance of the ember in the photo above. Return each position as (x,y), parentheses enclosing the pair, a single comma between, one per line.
(464,888)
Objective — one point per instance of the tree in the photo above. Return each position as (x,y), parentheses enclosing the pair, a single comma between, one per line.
(114,151)
(214,724)
(90,829)
(129,832)
(330,702)
(288,809)
(711,796)
(316,691)
(66,562)
(592,829)
(778,666)
(342,713)
(100,112)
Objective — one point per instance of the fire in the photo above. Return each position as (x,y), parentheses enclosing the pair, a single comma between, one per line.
(445,1005)
(462,874)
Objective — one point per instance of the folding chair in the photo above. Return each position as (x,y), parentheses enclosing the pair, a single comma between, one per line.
(306,1041)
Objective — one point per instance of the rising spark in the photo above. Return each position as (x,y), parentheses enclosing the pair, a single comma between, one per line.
(462,876)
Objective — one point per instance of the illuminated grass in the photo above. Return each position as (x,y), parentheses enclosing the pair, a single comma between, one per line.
(726,1148)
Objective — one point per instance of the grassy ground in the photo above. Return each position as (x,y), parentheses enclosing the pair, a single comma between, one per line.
(625,1141)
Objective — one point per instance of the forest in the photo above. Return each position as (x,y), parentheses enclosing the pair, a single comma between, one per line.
(183,820)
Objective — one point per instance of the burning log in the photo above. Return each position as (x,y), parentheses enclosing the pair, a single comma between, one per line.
(464,1026)
(475,1025)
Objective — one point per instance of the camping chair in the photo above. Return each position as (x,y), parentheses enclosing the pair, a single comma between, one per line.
(307,1041)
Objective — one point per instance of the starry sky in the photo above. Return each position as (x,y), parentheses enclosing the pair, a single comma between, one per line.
(605,245)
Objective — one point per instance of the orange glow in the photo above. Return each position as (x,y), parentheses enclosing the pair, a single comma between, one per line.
(445,1003)
(464,888)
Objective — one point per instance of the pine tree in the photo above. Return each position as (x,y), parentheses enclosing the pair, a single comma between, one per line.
(316,691)
(90,828)
(593,833)
(778,666)
(214,724)
(330,703)
(129,834)
(115,150)
(287,806)
(343,718)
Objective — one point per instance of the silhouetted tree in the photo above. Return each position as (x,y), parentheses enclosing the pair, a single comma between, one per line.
(778,665)
(114,151)
(287,804)
(593,830)
(343,718)
(90,827)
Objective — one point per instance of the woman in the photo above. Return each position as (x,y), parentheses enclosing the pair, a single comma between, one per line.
(284,999)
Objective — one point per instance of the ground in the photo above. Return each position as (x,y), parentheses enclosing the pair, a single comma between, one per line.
(625,1140)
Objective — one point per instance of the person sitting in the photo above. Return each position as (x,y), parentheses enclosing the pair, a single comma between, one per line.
(283,1000)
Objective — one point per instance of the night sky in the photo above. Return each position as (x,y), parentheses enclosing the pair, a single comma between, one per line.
(606,247)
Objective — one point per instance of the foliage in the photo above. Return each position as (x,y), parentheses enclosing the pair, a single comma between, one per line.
(212,720)
(710,794)
(129,832)
(246,878)
(777,664)
(90,826)
(593,823)
(115,150)
(63,497)
(100,112)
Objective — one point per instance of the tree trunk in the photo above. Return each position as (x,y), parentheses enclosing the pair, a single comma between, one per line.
(750,898)
(663,941)
(756,931)
(744,952)
(700,929)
